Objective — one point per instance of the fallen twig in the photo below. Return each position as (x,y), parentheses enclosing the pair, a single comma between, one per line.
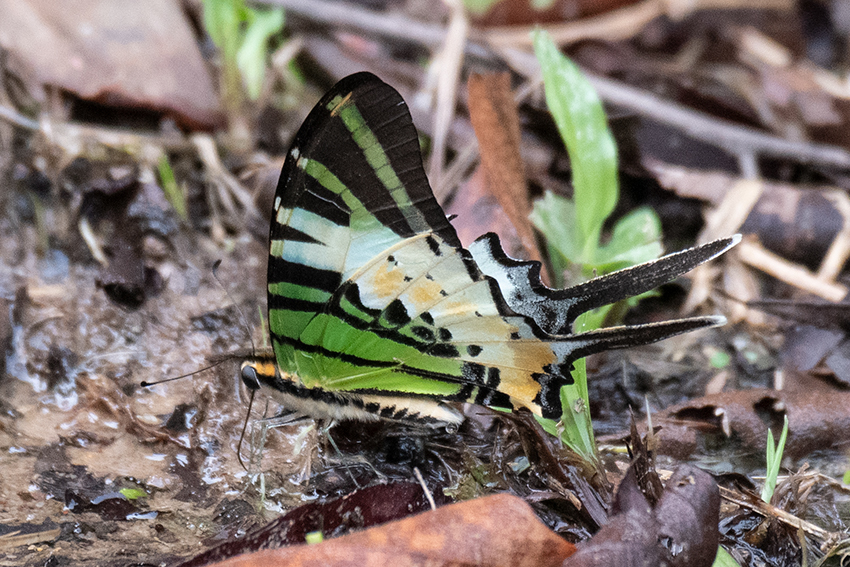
(12,116)
(752,253)
(447,66)
(770,511)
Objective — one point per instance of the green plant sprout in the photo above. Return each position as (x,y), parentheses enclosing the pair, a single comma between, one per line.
(173,192)
(242,35)
(573,228)
(774,460)
(719,359)
(479,7)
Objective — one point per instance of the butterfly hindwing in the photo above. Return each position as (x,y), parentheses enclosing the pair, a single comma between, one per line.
(374,303)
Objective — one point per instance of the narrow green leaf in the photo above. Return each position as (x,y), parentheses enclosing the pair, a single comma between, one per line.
(636,238)
(580,118)
(223,22)
(172,190)
(575,429)
(479,7)
(222,19)
(555,217)
(720,359)
(133,493)
(774,461)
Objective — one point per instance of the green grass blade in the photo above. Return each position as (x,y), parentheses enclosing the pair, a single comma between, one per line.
(576,428)
(172,190)
(724,559)
(774,461)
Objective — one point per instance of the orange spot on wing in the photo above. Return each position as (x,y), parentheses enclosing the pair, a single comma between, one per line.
(387,282)
(532,355)
(265,368)
(424,292)
(520,387)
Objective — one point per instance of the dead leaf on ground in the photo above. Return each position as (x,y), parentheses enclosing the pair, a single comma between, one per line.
(817,419)
(817,343)
(798,222)
(499,530)
(793,96)
(822,314)
(680,531)
(477,212)
(17,535)
(564,473)
(116,53)
(360,509)
(494,116)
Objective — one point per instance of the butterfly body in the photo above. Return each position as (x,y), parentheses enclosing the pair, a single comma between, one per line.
(376,310)
(321,403)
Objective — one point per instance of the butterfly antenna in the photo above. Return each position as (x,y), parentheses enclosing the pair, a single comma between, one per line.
(146,384)
(242,434)
(244,319)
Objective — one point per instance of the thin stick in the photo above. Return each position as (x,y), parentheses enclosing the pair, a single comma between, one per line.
(752,253)
(700,126)
(424,488)
(242,434)
(12,116)
(768,511)
(448,64)
(622,23)
(838,252)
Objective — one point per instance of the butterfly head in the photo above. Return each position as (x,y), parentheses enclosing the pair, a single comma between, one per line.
(256,371)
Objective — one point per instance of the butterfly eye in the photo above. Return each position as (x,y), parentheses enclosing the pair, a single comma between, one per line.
(250,378)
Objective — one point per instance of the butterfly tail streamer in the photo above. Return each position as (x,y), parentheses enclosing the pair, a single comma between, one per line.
(573,347)
(555,310)
(610,338)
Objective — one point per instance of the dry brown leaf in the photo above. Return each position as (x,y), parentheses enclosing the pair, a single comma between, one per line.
(797,221)
(498,530)
(795,98)
(680,531)
(494,116)
(817,419)
(140,55)
(479,212)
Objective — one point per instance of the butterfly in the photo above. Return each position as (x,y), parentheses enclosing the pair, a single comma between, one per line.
(377,311)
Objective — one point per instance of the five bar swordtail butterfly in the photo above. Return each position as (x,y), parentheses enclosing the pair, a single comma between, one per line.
(375,308)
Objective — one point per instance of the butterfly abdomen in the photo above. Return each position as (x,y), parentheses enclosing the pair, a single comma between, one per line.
(321,403)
